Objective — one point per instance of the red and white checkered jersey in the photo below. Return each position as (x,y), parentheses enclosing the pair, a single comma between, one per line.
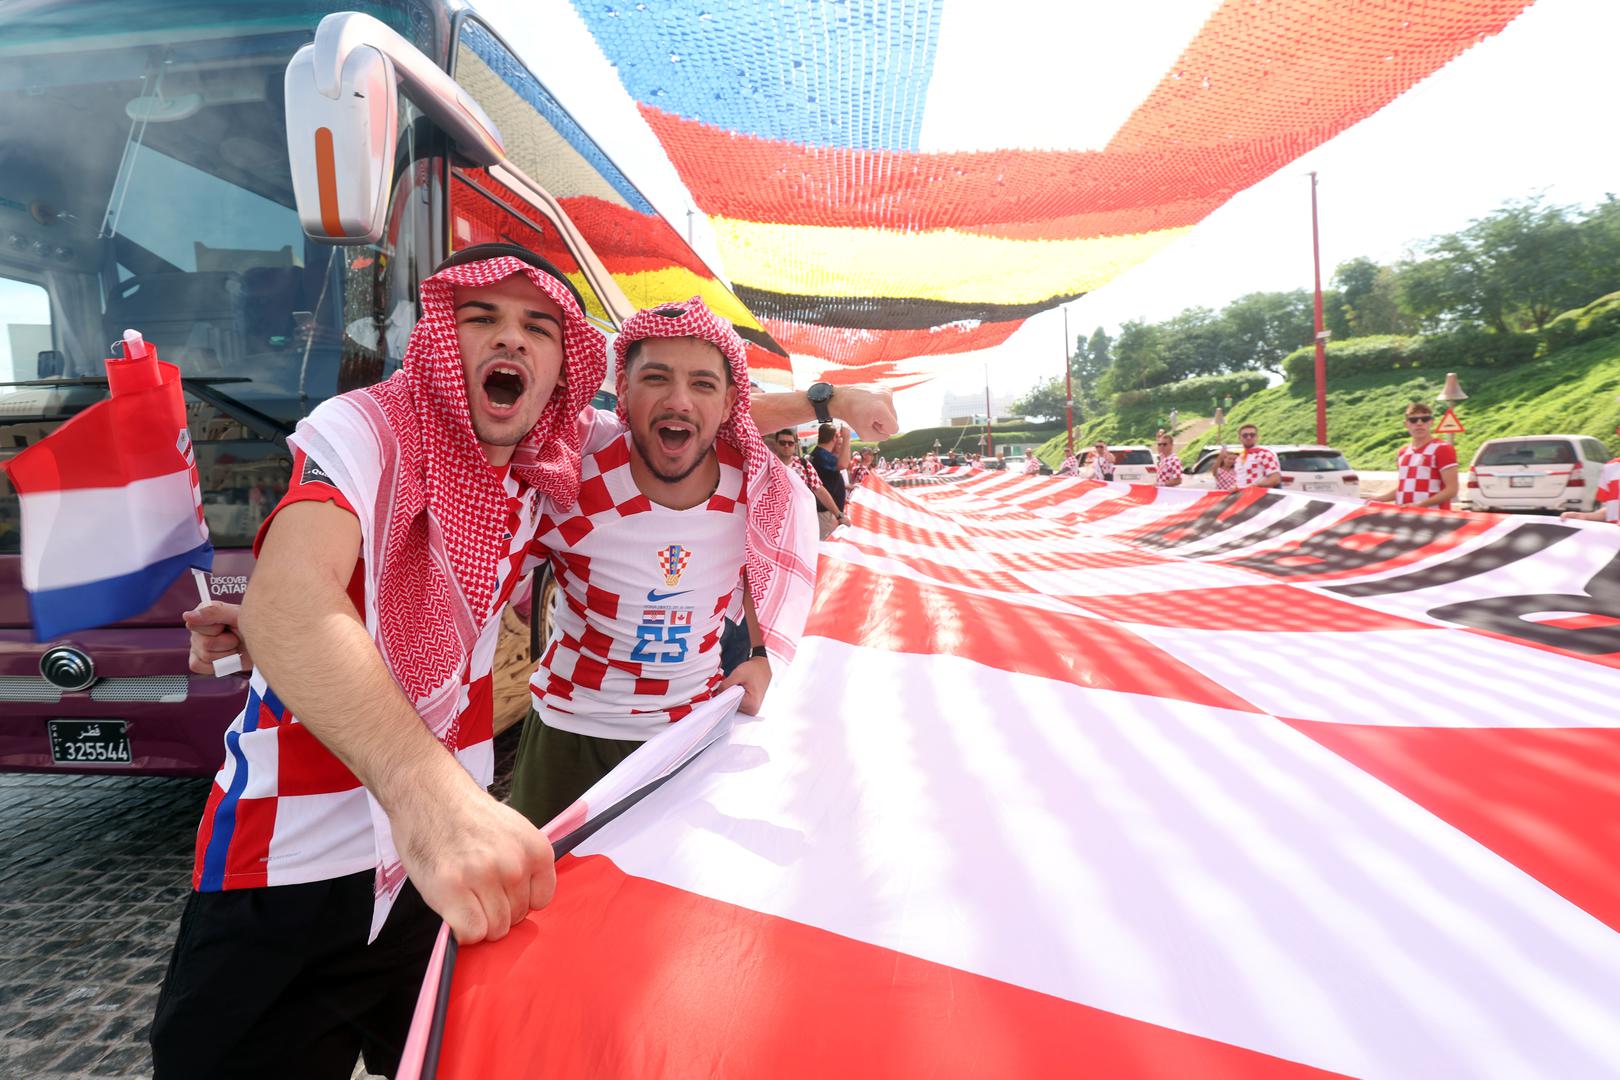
(807,472)
(1418,471)
(645,594)
(284,809)
(1255,465)
(1168,469)
(1608,492)
(1225,479)
(1032,466)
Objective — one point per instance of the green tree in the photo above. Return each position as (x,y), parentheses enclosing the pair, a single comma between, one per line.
(1370,300)
(1513,269)
(1045,401)
(1263,327)
(1138,358)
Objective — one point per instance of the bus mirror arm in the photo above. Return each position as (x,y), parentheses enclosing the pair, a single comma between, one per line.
(424,82)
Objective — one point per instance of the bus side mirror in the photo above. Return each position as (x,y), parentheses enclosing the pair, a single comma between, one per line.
(342,93)
(342,148)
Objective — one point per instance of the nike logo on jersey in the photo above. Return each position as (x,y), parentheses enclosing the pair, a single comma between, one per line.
(655,597)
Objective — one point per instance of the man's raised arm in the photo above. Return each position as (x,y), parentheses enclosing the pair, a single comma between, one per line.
(869,412)
(479,864)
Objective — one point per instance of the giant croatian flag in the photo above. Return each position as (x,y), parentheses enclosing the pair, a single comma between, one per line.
(111,508)
(1076,779)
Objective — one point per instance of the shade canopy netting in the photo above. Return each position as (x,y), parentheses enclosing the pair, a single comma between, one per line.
(869,231)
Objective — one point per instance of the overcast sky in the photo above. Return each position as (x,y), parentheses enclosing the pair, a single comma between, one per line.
(1530,110)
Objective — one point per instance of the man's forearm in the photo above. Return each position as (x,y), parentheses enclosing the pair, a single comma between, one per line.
(824,497)
(869,412)
(328,672)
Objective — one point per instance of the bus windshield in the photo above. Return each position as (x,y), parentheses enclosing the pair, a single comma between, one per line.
(144,184)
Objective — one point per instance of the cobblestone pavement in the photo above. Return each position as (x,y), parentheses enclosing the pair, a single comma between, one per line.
(93,873)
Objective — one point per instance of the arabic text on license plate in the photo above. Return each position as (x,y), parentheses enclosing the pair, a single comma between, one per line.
(89,742)
(1320,485)
(1521,481)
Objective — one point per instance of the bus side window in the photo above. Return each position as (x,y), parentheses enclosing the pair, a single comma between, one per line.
(483,210)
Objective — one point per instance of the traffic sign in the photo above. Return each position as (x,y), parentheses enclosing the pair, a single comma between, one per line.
(1449,424)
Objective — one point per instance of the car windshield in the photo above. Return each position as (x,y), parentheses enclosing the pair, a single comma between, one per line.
(1132,457)
(144,184)
(1527,452)
(1312,461)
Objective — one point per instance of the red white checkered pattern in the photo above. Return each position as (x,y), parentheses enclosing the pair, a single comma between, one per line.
(1255,465)
(1168,469)
(806,471)
(1608,492)
(1418,471)
(283,808)
(632,653)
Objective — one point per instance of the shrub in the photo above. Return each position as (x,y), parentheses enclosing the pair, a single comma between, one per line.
(1196,393)
(1600,318)
(1468,346)
(1375,352)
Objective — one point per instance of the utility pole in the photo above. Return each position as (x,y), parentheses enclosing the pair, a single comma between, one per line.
(989,418)
(1068,384)
(1321,333)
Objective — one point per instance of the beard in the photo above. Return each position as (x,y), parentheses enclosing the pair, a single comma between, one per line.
(698,458)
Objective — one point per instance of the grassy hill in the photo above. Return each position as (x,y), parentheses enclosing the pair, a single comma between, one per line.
(1573,390)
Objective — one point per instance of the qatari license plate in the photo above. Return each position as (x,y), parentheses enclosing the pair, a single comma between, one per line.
(89,742)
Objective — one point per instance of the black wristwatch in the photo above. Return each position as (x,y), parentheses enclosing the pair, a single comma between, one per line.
(819,394)
(757,652)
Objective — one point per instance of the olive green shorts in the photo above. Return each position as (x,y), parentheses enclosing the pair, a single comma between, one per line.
(553,768)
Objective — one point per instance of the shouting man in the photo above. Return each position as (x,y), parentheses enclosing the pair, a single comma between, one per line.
(364,750)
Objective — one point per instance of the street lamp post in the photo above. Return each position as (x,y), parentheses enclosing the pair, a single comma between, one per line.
(1068,384)
(1321,333)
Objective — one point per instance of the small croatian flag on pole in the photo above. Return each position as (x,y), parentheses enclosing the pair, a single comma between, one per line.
(111,507)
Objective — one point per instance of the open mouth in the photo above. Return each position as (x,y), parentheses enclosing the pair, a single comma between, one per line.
(673,438)
(503,385)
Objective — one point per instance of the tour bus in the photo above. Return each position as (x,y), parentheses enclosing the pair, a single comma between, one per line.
(258,188)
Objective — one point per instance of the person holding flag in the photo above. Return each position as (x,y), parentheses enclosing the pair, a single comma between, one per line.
(335,836)
(684,517)
(364,750)
(1257,466)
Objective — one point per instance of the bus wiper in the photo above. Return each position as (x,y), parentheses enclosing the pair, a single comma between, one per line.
(203,389)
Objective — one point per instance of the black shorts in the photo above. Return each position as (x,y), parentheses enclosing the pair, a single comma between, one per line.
(279,982)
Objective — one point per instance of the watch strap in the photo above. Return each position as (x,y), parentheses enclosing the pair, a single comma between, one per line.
(756,652)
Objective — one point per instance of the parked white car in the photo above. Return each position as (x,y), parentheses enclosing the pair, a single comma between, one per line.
(1132,464)
(1308,468)
(1550,473)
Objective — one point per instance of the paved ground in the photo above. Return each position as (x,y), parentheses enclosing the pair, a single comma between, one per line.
(93,873)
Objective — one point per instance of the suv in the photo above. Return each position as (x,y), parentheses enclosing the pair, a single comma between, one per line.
(1312,469)
(1536,472)
(1132,464)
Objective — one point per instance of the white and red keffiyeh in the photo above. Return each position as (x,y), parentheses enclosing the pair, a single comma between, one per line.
(781,541)
(433,514)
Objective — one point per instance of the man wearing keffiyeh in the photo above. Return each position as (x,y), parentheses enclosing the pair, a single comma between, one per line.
(411,510)
(364,751)
(680,468)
